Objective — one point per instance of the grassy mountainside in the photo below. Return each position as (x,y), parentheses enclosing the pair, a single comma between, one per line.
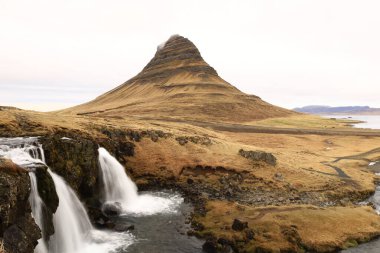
(178,84)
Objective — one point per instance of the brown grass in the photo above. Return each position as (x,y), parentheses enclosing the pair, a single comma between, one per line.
(277,228)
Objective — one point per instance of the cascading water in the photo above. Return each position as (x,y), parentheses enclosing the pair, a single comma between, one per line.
(37,204)
(73,230)
(71,223)
(118,187)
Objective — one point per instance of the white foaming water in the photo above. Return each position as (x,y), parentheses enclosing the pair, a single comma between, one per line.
(73,230)
(37,204)
(71,223)
(118,187)
(22,151)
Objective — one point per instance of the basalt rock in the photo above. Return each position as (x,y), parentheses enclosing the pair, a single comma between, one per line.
(17,227)
(239,225)
(259,156)
(48,194)
(112,209)
(75,159)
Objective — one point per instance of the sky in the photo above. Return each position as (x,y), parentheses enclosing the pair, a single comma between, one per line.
(56,54)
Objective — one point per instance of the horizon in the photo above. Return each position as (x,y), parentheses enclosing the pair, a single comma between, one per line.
(289,54)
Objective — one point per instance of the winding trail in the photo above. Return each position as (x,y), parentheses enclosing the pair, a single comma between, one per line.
(358,156)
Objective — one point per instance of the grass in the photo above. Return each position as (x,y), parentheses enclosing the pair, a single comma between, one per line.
(305,121)
(2,248)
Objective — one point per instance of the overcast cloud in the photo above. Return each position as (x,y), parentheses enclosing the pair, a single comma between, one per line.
(55,54)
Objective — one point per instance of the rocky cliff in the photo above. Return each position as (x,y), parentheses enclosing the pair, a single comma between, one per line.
(18,230)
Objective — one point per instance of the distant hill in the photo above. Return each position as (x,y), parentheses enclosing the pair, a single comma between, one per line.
(322,109)
(178,84)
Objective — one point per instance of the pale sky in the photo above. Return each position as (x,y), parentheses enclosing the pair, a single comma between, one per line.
(59,53)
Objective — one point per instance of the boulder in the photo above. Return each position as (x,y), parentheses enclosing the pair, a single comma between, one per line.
(239,225)
(259,156)
(112,209)
(123,227)
(17,227)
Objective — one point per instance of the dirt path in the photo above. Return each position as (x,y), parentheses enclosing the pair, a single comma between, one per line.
(361,156)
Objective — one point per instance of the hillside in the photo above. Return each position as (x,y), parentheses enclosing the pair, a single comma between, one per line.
(178,84)
(322,109)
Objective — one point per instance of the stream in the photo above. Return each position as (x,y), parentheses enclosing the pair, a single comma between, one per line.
(159,218)
(372,246)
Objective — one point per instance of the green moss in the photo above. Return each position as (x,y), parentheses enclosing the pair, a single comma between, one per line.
(350,243)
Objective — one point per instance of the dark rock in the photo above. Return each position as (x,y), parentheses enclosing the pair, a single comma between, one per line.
(239,225)
(259,156)
(210,247)
(123,227)
(249,234)
(190,181)
(17,227)
(76,161)
(182,140)
(112,209)
(47,192)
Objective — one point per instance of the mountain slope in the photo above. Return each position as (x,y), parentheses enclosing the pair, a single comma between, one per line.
(178,84)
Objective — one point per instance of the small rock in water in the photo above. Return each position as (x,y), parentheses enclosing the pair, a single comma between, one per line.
(112,209)
(123,227)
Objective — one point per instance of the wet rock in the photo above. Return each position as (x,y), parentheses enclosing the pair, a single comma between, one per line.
(47,192)
(239,225)
(259,156)
(76,161)
(124,227)
(17,227)
(112,209)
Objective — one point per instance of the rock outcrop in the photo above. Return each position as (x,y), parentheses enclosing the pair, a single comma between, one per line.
(259,156)
(18,230)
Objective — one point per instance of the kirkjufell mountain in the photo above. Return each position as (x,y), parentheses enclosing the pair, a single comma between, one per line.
(178,84)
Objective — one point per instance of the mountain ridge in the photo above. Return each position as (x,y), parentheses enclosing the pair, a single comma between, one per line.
(324,109)
(178,83)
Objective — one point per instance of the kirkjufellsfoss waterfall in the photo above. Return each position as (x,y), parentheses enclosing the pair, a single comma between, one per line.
(71,223)
(37,205)
(118,187)
(73,230)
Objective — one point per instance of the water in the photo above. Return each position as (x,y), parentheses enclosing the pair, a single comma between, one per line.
(373,246)
(118,187)
(37,206)
(73,230)
(162,232)
(370,121)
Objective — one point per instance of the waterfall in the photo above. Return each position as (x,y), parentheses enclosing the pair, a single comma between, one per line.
(71,223)
(73,230)
(37,205)
(118,187)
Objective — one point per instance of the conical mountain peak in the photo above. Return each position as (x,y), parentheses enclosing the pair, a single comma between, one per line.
(178,84)
(177,54)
